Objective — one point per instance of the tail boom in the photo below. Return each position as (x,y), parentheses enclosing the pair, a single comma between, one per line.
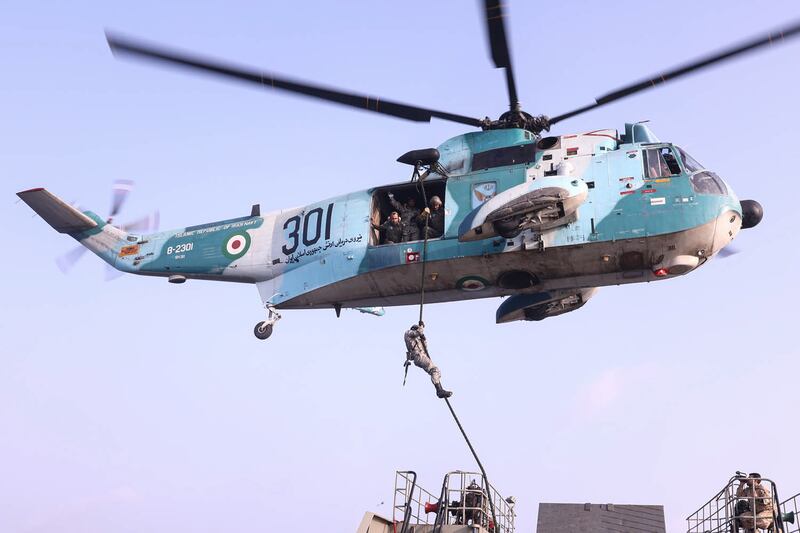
(215,251)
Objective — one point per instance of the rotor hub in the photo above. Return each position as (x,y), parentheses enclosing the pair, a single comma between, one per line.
(520,119)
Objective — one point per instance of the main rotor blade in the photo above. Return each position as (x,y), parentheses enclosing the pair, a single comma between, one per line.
(728,251)
(124,45)
(774,37)
(498,43)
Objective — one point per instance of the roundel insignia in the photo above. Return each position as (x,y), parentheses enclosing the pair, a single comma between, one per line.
(472,284)
(236,245)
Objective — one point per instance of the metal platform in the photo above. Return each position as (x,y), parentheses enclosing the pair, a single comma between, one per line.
(466,504)
(731,511)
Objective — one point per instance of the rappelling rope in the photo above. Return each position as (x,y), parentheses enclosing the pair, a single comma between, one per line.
(424,241)
(421,180)
(480,465)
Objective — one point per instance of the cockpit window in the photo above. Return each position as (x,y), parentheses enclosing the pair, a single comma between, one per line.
(660,163)
(708,183)
(689,162)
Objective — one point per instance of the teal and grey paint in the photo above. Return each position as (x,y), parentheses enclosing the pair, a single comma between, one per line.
(320,255)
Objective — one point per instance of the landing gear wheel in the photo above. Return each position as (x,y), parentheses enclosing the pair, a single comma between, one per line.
(507,227)
(263,330)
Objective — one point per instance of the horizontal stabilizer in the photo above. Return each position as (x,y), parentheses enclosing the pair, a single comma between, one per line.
(63,217)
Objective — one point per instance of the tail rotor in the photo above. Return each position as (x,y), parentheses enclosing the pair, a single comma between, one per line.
(67,261)
(120,191)
(146,224)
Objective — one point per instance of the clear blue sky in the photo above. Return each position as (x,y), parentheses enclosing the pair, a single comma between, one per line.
(138,406)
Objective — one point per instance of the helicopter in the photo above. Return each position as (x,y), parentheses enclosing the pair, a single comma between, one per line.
(542,220)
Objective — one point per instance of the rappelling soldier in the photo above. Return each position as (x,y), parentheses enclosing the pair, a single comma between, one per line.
(408,214)
(417,353)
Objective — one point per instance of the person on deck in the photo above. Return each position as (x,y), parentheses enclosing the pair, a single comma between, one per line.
(417,353)
(755,507)
(475,501)
(392,229)
(434,215)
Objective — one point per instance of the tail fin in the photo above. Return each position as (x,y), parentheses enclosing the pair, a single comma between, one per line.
(63,217)
(104,239)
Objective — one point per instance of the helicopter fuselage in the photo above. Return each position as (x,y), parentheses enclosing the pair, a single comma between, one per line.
(641,220)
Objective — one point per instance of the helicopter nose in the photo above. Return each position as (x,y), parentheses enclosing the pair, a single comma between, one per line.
(752,213)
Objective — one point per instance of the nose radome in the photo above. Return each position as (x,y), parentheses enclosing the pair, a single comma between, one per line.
(752,213)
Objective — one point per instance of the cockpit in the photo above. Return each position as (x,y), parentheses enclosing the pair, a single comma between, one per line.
(660,162)
(665,162)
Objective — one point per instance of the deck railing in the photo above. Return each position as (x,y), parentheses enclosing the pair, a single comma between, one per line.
(726,512)
(410,501)
(789,510)
(463,500)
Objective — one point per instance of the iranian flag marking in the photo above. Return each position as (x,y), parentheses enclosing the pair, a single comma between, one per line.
(237,245)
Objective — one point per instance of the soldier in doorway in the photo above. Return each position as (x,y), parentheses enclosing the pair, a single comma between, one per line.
(434,216)
(408,214)
(417,353)
(392,229)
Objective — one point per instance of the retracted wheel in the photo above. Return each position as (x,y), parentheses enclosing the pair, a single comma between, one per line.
(263,330)
(507,227)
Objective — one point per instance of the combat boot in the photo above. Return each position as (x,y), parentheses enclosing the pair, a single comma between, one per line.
(441,392)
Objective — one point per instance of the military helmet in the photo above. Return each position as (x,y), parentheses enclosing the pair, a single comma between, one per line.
(436,200)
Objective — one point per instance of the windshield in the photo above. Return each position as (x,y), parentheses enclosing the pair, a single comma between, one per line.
(689,162)
(708,183)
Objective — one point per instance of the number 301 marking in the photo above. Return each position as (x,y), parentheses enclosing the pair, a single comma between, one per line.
(312,229)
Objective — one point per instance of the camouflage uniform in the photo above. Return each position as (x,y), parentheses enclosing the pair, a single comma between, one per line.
(434,217)
(408,215)
(475,502)
(417,353)
(392,233)
(752,493)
